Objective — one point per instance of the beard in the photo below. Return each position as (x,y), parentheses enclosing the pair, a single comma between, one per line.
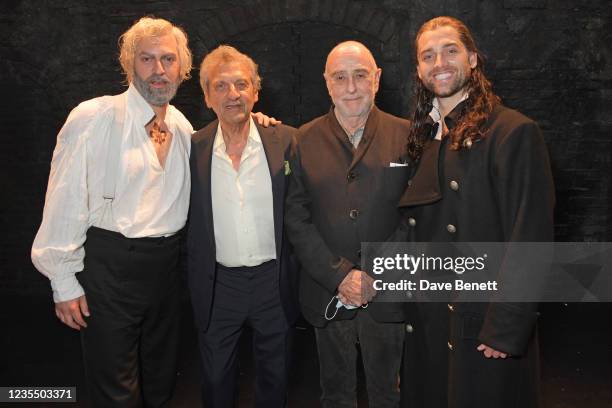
(155,96)
(458,84)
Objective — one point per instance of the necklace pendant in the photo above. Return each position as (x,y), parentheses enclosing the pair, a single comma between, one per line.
(157,135)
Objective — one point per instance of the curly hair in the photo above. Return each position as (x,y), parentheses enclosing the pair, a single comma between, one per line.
(148,27)
(474,113)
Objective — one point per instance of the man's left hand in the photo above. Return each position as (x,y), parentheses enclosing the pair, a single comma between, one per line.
(265,120)
(491,352)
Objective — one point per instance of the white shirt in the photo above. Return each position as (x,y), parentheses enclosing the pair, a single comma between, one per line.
(150,201)
(242,204)
(436,115)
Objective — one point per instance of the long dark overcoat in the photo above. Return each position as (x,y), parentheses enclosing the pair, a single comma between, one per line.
(500,189)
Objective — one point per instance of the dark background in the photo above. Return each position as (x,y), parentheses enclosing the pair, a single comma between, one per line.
(550,59)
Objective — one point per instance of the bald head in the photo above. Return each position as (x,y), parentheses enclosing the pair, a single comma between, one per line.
(352,79)
(352,49)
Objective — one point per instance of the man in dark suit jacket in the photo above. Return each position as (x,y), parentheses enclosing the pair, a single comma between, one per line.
(347,177)
(240,271)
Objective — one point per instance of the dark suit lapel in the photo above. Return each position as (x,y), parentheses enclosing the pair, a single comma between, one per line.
(205,152)
(276,164)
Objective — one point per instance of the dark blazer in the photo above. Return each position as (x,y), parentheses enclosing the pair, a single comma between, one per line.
(498,190)
(339,197)
(277,141)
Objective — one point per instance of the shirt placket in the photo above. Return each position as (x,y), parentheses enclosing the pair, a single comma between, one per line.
(243,226)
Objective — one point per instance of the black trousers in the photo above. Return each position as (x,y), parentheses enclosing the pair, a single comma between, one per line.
(245,296)
(130,347)
(381,350)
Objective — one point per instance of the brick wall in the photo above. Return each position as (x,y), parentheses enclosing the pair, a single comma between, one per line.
(549,59)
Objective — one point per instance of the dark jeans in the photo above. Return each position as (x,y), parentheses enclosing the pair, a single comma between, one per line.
(381,350)
(246,296)
(130,346)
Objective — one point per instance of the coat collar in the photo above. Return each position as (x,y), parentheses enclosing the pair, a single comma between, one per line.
(273,148)
(369,134)
(450,120)
(424,187)
(276,164)
(453,116)
(203,142)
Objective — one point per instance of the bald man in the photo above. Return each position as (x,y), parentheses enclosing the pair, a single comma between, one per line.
(345,182)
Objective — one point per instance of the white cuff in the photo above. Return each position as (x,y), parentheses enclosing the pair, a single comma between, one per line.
(66,288)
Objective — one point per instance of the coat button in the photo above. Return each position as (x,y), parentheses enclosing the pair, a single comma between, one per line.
(450,307)
(454,185)
(351,176)
(450,345)
(409,182)
(354,214)
(467,143)
(411,222)
(451,228)
(409,328)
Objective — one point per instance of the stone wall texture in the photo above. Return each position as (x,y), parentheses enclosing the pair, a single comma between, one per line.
(551,60)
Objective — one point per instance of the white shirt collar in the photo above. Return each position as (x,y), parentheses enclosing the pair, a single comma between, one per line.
(139,108)
(253,136)
(436,115)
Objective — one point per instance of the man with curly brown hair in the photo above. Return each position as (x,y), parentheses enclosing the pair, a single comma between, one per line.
(483,175)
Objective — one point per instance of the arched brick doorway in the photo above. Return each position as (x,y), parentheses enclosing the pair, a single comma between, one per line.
(290,41)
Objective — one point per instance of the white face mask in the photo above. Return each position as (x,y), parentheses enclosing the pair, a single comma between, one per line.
(339,304)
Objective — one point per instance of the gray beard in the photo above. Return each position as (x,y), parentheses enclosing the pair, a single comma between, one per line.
(155,97)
